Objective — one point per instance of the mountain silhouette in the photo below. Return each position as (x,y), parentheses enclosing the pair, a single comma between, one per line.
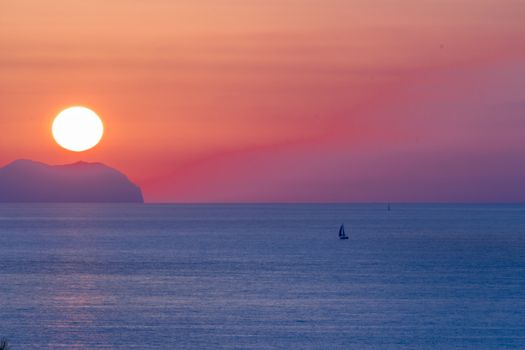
(30,181)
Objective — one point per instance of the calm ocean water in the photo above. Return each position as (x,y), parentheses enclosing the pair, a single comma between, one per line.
(262,276)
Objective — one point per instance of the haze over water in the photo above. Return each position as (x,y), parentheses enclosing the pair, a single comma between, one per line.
(79,276)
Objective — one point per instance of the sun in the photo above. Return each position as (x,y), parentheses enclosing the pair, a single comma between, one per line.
(77,129)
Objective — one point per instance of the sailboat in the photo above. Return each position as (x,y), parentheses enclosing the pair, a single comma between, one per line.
(342,233)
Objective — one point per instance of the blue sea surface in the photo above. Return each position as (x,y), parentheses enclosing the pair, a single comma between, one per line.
(106,276)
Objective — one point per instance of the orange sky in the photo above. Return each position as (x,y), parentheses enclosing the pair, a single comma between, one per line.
(276,100)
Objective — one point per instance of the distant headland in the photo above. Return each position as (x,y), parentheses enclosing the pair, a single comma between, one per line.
(30,181)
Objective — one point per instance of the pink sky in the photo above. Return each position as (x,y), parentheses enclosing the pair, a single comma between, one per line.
(289,100)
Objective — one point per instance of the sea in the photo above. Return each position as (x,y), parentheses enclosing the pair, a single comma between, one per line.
(262,276)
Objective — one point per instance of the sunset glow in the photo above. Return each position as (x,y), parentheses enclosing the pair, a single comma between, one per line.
(322,100)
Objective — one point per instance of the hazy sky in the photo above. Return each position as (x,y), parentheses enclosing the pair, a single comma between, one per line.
(276,100)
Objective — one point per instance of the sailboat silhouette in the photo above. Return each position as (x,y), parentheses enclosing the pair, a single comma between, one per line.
(342,233)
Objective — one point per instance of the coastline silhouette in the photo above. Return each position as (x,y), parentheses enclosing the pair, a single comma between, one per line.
(30,181)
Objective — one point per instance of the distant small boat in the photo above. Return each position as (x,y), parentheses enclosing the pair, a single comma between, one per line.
(342,233)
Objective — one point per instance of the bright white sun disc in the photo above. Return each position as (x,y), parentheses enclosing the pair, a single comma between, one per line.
(77,129)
